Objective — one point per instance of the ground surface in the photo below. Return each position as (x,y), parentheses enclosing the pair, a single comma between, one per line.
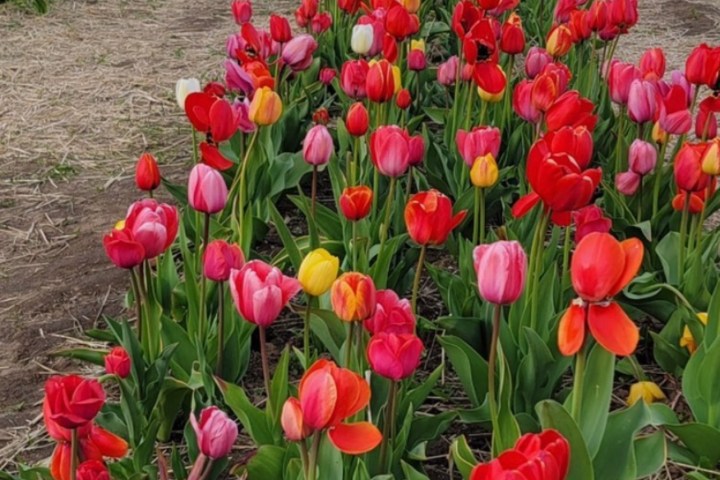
(83,91)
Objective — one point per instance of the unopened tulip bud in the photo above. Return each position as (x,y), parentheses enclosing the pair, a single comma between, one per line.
(242,11)
(321,116)
(215,432)
(559,41)
(361,40)
(318,146)
(711,158)
(642,157)
(183,88)
(355,202)
(207,191)
(220,258)
(266,107)
(484,172)
(447,71)
(627,183)
(403,99)
(327,75)
(501,270)
(318,271)
(147,173)
(117,362)
(292,422)
(394,356)
(280,29)
(416,60)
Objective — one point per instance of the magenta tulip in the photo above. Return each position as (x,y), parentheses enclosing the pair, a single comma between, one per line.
(220,258)
(122,249)
(207,191)
(318,146)
(392,314)
(215,432)
(643,100)
(394,356)
(627,183)
(298,52)
(477,143)
(152,224)
(620,78)
(642,157)
(393,150)
(501,270)
(536,60)
(447,71)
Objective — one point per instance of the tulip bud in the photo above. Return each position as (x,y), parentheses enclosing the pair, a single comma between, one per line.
(353,297)
(416,60)
(512,40)
(266,107)
(535,61)
(327,75)
(215,432)
(353,76)
(642,157)
(627,183)
(478,142)
(298,52)
(403,99)
(491,86)
(688,167)
(147,174)
(242,11)
(292,422)
(321,116)
(394,356)
(429,218)
(318,271)
(357,120)
(559,41)
(447,71)
(321,23)
(646,391)
(501,269)
(484,172)
(642,101)
(183,88)
(380,81)
(687,340)
(92,470)
(590,219)
(220,258)
(207,191)
(361,40)
(280,29)
(411,6)
(355,202)
(711,158)
(659,135)
(117,362)
(318,146)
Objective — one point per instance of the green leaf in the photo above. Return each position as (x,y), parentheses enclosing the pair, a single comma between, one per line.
(703,440)
(280,384)
(668,250)
(429,427)
(553,415)
(252,418)
(382,264)
(330,461)
(96,357)
(463,456)
(291,247)
(650,453)
(416,397)
(411,473)
(470,367)
(597,394)
(266,463)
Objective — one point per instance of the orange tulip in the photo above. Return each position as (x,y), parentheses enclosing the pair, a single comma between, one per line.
(353,296)
(559,41)
(601,267)
(266,107)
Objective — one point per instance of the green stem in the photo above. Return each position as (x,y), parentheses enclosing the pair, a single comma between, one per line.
(355,242)
(138,302)
(620,138)
(313,193)
(74,447)
(637,369)
(354,165)
(388,209)
(265,364)
(537,252)
(203,282)
(409,185)
(476,217)
(566,257)
(304,457)
(659,165)
(314,449)
(306,332)
(576,407)
(195,145)
(388,426)
(683,232)
(349,345)
(416,280)
(240,205)
(482,215)
(492,394)
(220,329)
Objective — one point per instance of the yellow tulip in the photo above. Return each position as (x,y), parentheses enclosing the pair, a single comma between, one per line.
(711,158)
(266,107)
(687,340)
(648,392)
(417,45)
(658,134)
(484,172)
(318,271)
(397,78)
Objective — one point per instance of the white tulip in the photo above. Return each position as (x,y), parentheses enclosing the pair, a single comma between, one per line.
(183,88)
(362,39)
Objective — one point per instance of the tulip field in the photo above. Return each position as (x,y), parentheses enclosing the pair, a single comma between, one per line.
(406,239)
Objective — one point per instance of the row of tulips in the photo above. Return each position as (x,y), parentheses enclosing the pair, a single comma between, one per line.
(491,198)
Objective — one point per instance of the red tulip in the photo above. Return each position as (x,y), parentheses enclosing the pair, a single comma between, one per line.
(352,78)
(92,470)
(327,396)
(706,122)
(260,291)
(588,220)
(321,116)
(122,249)
(416,60)
(353,297)
(212,157)
(620,77)
(576,142)
(211,115)
(280,28)
(393,150)
(622,15)
(380,82)
(220,258)
(465,16)
(491,81)
(207,191)
(652,64)
(536,456)
(392,315)
(305,12)
(480,44)
(559,41)
(298,52)
(570,109)
(400,23)
(687,168)
(390,48)
(522,102)
(675,117)
(478,143)
(580,27)
(147,174)
(696,200)
(563,10)
(643,101)
(512,40)
(403,100)
(627,183)
(642,157)
(501,271)
(327,75)
(357,120)
(153,224)
(703,66)
(536,60)
(355,202)
(242,11)
(321,23)
(215,432)
(318,146)
(349,6)
(117,362)
(394,356)
(601,267)
(429,218)
(73,401)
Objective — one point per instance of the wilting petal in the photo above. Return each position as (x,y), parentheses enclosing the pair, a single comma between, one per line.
(613,329)
(634,251)
(109,444)
(211,155)
(355,438)
(571,332)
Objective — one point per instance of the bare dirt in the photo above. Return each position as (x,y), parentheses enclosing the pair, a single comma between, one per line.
(83,91)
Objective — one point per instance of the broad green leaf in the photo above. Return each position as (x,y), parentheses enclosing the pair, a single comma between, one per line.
(702,440)
(470,367)
(650,453)
(252,418)
(266,463)
(553,415)
(463,456)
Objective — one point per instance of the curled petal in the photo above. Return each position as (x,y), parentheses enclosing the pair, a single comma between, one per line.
(355,438)
(613,329)
(634,251)
(571,332)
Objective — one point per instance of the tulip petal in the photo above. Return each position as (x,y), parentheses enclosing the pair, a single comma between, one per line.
(109,444)
(60,463)
(634,251)
(211,155)
(597,264)
(525,204)
(613,329)
(355,438)
(318,399)
(571,332)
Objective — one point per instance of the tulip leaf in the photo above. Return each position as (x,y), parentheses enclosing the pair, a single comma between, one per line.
(703,440)
(289,243)
(508,430)
(266,463)
(381,267)
(668,250)
(252,418)
(361,471)
(651,452)
(411,473)
(429,427)
(712,329)
(553,415)
(330,461)
(96,357)
(279,385)
(463,456)
(699,384)
(470,367)
(416,397)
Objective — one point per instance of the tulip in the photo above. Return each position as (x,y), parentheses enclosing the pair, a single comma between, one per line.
(242,11)
(260,292)
(305,12)
(353,297)
(152,224)
(580,26)
(298,52)
(318,146)
(215,432)
(211,115)
(411,6)
(318,272)
(353,77)
(695,200)
(73,401)
(327,75)
(403,100)
(547,453)
(576,142)
(349,6)
(688,169)
(393,356)
(643,100)
(536,60)
(380,82)
(642,157)
(280,29)
(601,267)
(292,421)
(214,90)
(266,107)
(491,81)
(147,174)
(400,23)
(183,88)
(393,150)
(706,124)
(711,158)
(501,270)
(590,219)
(564,9)
(648,392)
(207,191)
(628,182)
(652,63)
(92,470)
(355,202)
(321,23)
(659,135)
(687,340)
(122,249)
(675,116)
(416,57)
(522,102)
(376,19)
(484,172)
(620,77)
(429,218)
(321,116)
(465,15)
(357,120)
(220,258)
(392,315)
(117,362)
(559,41)
(512,40)
(570,109)
(447,71)
(478,143)
(361,40)
(703,66)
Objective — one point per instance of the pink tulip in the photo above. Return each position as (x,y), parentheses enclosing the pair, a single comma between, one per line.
(416,60)
(642,157)
(392,315)
(220,258)
(122,249)
(237,79)
(590,219)
(260,291)
(675,117)
(522,102)
(318,146)
(478,143)
(627,183)
(394,356)
(643,99)
(241,111)
(298,52)
(215,432)
(152,224)
(242,11)
(501,270)
(620,78)
(393,150)
(327,75)
(207,191)
(447,71)
(535,61)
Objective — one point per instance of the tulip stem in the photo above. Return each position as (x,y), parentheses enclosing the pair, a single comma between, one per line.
(388,425)
(304,456)
(306,332)
(388,210)
(683,232)
(203,282)
(138,302)
(566,260)
(536,261)
(349,345)
(416,280)
(354,165)
(658,175)
(578,385)
(409,185)
(492,359)
(241,195)
(313,193)
(220,329)
(355,241)
(314,449)
(620,137)
(265,364)
(73,453)
(195,144)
